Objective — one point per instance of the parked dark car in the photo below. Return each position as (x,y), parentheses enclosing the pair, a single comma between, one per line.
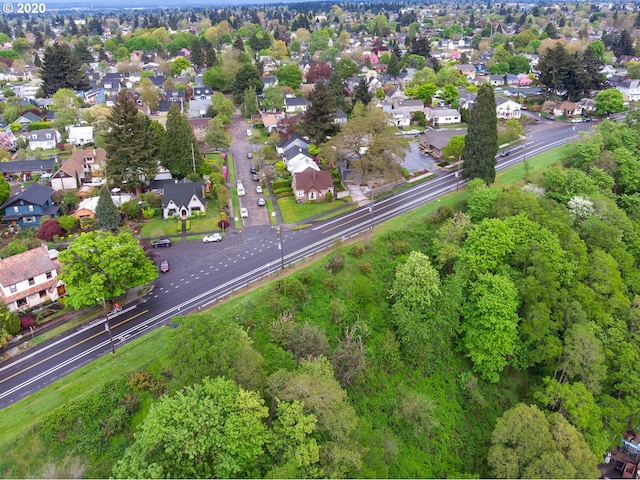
(255,177)
(163,242)
(253,170)
(505,153)
(164,266)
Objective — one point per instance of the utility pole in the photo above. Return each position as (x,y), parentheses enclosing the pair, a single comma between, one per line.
(108,329)
(371,207)
(458,173)
(193,158)
(281,247)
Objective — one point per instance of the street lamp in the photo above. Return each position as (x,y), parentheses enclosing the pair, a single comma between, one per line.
(281,246)
(371,207)
(107,327)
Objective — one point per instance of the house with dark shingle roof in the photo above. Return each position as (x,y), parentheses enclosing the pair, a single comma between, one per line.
(311,184)
(295,104)
(26,207)
(23,169)
(29,279)
(436,140)
(183,198)
(46,139)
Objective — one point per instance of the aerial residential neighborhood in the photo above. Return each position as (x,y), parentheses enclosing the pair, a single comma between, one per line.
(316,240)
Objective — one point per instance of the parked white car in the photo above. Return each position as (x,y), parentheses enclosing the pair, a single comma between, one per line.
(214,237)
(258,189)
(244,213)
(249,132)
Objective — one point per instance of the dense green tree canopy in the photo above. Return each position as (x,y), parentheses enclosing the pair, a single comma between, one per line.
(130,156)
(61,69)
(100,265)
(481,141)
(180,153)
(107,215)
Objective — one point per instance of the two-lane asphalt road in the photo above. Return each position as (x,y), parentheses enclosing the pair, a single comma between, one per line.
(203,273)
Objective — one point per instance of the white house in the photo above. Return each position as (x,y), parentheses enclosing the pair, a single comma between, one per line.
(80,135)
(45,139)
(30,278)
(198,108)
(298,160)
(630,88)
(442,116)
(507,109)
(295,104)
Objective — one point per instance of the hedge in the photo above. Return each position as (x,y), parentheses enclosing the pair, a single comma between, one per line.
(284,194)
(283,190)
(278,184)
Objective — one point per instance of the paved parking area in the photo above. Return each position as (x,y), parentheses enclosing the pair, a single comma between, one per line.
(416,160)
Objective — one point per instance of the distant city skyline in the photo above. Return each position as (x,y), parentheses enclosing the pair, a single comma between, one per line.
(153,4)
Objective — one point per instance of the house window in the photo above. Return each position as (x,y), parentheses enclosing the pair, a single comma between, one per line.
(32,282)
(21,303)
(48,135)
(300,193)
(49,275)
(16,209)
(43,294)
(29,219)
(13,288)
(312,195)
(31,208)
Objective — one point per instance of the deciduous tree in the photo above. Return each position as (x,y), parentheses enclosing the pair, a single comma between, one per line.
(100,265)
(213,429)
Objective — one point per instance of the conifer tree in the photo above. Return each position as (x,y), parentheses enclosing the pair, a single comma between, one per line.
(61,69)
(197,54)
(362,94)
(180,153)
(481,142)
(127,141)
(319,117)
(107,214)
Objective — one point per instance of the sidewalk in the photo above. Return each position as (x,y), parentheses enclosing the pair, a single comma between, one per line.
(132,296)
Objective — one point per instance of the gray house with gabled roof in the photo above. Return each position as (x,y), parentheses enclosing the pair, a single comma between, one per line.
(183,198)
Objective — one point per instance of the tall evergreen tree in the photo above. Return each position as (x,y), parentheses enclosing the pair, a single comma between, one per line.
(197,53)
(180,153)
(624,44)
(210,56)
(394,66)
(336,90)
(61,69)
(82,53)
(107,214)
(127,141)
(247,76)
(481,142)
(239,44)
(362,94)
(318,119)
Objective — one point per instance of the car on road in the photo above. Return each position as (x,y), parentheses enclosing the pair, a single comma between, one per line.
(241,191)
(576,120)
(250,155)
(249,133)
(253,170)
(163,242)
(244,213)
(164,266)
(214,237)
(258,188)
(255,177)
(261,202)
(505,153)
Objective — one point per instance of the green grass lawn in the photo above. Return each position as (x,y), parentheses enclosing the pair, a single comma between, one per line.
(293,212)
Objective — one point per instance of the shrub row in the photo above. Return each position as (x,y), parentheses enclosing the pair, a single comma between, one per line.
(278,184)
(284,194)
(283,190)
